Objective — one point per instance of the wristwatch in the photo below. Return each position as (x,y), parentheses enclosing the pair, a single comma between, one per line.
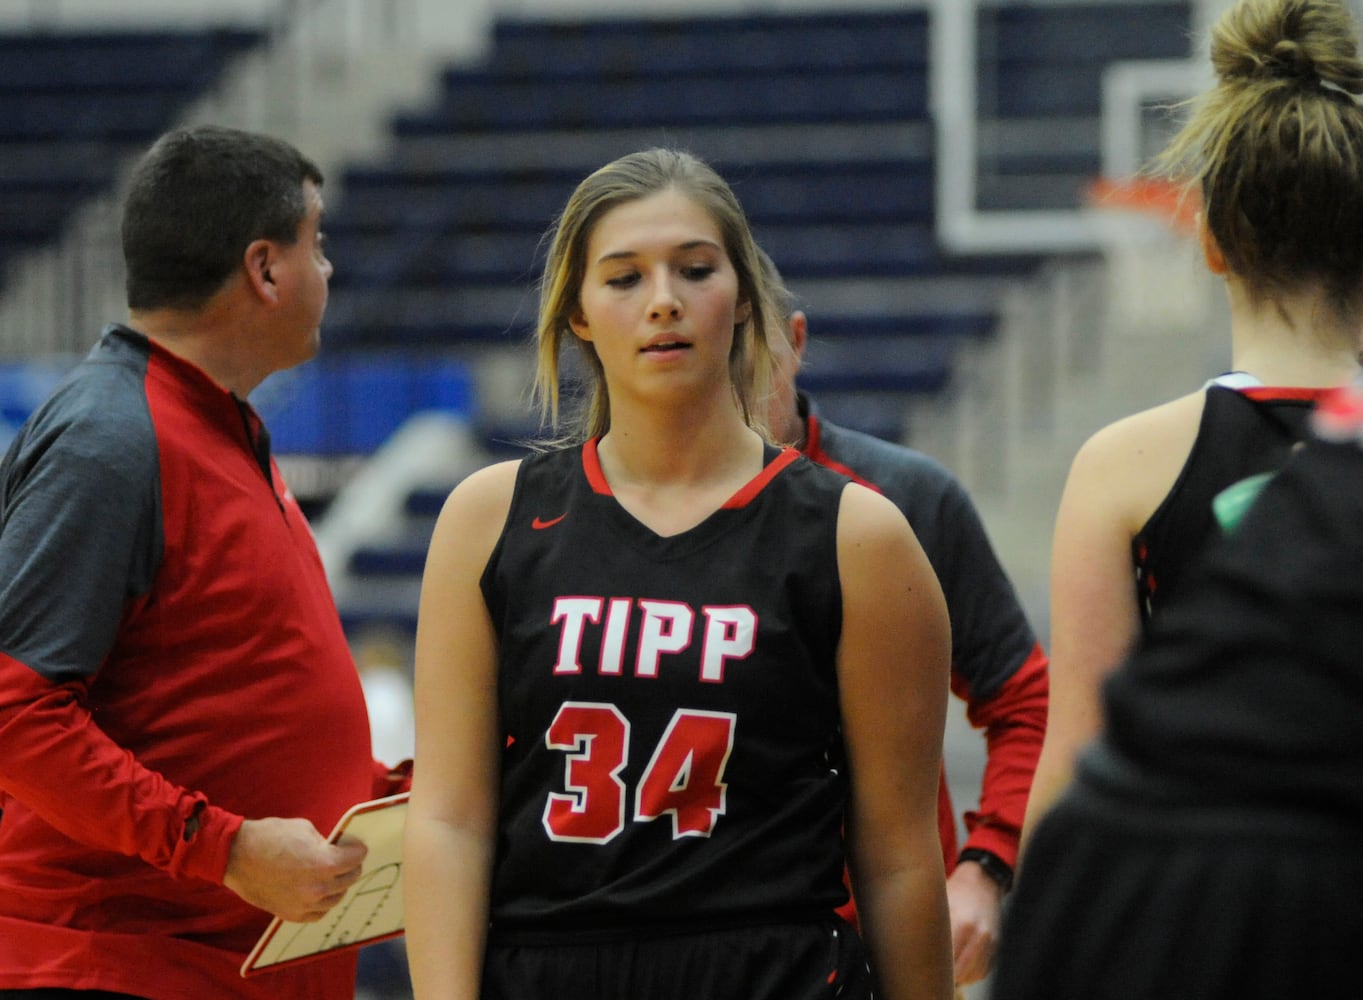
(994,866)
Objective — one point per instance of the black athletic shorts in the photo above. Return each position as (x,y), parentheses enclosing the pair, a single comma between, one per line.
(1124,900)
(804,961)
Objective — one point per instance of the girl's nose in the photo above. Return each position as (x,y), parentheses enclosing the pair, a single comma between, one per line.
(665,303)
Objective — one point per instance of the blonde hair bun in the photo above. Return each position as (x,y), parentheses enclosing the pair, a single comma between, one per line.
(1305,41)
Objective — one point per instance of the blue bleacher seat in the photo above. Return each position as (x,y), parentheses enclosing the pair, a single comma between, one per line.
(74,104)
(24,385)
(1040,63)
(889,363)
(476,102)
(350,403)
(85,62)
(904,328)
(389,560)
(1093,32)
(378,201)
(706,45)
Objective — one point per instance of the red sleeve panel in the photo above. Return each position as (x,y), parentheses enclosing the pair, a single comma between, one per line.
(60,765)
(1014,724)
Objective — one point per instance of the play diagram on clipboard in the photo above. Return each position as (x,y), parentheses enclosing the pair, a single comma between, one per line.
(372,909)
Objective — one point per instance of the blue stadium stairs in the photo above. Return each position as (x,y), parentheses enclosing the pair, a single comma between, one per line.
(73,106)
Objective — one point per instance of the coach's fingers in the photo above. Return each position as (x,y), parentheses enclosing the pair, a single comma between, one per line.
(346,879)
(972,959)
(975,901)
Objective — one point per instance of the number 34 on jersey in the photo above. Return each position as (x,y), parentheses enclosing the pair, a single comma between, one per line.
(684,779)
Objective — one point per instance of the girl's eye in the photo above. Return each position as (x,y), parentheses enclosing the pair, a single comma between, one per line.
(623,280)
(698,272)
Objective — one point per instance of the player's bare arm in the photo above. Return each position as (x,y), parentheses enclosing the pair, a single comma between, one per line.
(893,669)
(452,818)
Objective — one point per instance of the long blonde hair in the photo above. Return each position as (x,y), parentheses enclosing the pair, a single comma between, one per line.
(1276,149)
(757,339)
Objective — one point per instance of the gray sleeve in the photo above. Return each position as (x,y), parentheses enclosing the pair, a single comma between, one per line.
(991,637)
(79,528)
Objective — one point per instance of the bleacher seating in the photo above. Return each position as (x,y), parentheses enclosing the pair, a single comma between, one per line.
(22,388)
(452,248)
(73,106)
(343,405)
(710,46)
(751,70)
(1041,78)
(450,242)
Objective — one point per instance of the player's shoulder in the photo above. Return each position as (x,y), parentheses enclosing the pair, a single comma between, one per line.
(489,485)
(1174,421)
(867,516)
(1125,470)
(474,514)
(1150,439)
(793,472)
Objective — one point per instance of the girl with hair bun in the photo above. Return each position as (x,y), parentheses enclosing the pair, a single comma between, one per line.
(1275,151)
(1206,844)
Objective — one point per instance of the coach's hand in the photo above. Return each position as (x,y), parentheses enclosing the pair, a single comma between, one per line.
(287,868)
(975,901)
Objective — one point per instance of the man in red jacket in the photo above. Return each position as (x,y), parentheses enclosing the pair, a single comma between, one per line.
(180,716)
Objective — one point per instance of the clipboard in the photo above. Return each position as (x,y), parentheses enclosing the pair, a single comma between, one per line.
(372,909)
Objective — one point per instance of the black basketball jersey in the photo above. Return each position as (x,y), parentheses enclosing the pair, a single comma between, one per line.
(671,704)
(1248,689)
(1244,431)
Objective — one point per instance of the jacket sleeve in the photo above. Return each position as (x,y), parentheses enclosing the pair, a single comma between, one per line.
(56,761)
(1014,724)
(78,547)
(392,780)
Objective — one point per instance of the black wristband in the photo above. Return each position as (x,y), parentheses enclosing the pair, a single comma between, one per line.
(994,866)
(192,823)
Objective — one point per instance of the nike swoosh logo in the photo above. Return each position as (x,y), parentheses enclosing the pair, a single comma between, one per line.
(539,525)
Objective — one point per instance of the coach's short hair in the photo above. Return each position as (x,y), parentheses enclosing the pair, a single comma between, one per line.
(197,199)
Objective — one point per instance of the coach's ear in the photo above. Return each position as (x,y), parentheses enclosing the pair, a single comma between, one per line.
(257,259)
